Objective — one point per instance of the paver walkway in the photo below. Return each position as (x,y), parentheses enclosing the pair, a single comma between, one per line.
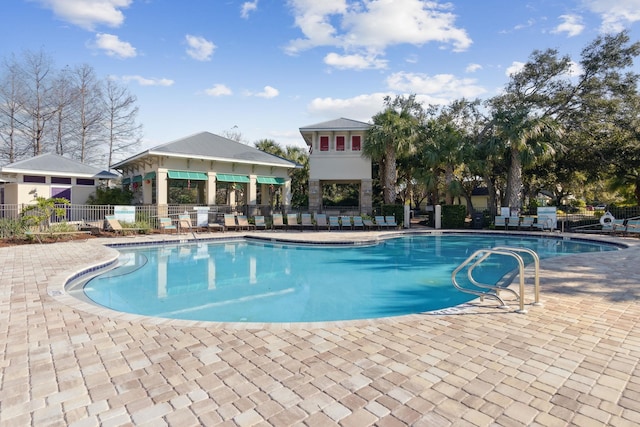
(574,361)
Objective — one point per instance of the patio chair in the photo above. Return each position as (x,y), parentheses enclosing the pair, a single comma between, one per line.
(380,222)
(500,221)
(260,224)
(243,223)
(306,221)
(115,225)
(526,222)
(345,222)
(391,221)
(167,225)
(321,222)
(543,222)
(632,227)
(513,222)
(277,222)
(292,221)
(334,222)
(230,222)
(368,224)
(358,223)
(184,222)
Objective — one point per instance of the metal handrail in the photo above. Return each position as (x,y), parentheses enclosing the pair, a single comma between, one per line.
(481,255)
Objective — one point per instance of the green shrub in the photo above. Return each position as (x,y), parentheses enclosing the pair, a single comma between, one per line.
(453,216)
(11,228)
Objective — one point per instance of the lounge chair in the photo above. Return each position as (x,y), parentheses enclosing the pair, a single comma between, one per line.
(632,227)
(513,222)
(306,221)
(368,224)
(277,222)
(380,222)
(166,225)
(260,224)
(115,225)
(184,222)
(500,221)
(391,221)
(292,221)
(543,222)
(230,222)
(358,223)
(334,222)
(321,222)
(526,222)
(243,223)
(345,222)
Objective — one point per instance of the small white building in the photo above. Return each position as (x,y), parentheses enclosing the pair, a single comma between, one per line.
(50,175)
(335,149)
(202,162)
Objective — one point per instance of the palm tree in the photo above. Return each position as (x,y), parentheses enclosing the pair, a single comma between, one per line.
(394,132)
(526,139)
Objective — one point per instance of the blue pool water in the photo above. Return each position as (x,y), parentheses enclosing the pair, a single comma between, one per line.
(250,281)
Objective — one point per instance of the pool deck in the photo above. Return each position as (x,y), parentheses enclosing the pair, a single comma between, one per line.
(574,361)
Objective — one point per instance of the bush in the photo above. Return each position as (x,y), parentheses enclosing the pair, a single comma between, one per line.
(11,228)
(453,216)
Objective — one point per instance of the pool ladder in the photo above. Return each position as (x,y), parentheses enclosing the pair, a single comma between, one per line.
(492,290)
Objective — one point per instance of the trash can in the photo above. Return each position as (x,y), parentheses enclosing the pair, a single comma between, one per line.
(477,220)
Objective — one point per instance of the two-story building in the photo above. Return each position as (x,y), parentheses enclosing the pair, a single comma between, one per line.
(335,149)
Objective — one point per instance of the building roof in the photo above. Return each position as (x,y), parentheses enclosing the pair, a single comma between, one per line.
(337,124)
(54,164)
(340,124)
(208,146)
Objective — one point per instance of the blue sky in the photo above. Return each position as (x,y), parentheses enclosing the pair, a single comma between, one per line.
(265,68)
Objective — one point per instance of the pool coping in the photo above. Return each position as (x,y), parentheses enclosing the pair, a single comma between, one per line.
(57,288)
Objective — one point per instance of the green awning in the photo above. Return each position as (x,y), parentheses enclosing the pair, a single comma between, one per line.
(126,181)
(229,177)
(150,175)
(194,176)
(270,180)
(137,178)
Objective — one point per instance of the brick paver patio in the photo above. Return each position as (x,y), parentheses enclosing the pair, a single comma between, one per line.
(574,361)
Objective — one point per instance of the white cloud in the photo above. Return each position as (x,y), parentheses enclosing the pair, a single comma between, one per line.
(472,68)
(200,48)
(268,92)
(374,25)
(143,81)
(616,15)
(218,90)
(361,107)
(248,7)
(88,14)
(571,24)
(515,67)
(440,86)
(113,46)
(357,62)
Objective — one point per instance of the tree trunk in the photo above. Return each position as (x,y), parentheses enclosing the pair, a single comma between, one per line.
(514,180)
(448,179)
(390,175)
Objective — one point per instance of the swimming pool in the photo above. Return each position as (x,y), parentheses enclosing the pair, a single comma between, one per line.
(259,281)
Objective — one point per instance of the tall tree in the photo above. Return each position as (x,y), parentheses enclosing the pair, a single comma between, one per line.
(37,72)
(394,132)
(90,113)
(124,134)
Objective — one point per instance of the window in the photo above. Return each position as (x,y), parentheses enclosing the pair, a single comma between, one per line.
(339,143)
(60,180)
(34,178)
(355,143)
(324,143)
(84,181)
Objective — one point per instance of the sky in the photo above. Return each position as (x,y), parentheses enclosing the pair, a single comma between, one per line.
(264,68)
